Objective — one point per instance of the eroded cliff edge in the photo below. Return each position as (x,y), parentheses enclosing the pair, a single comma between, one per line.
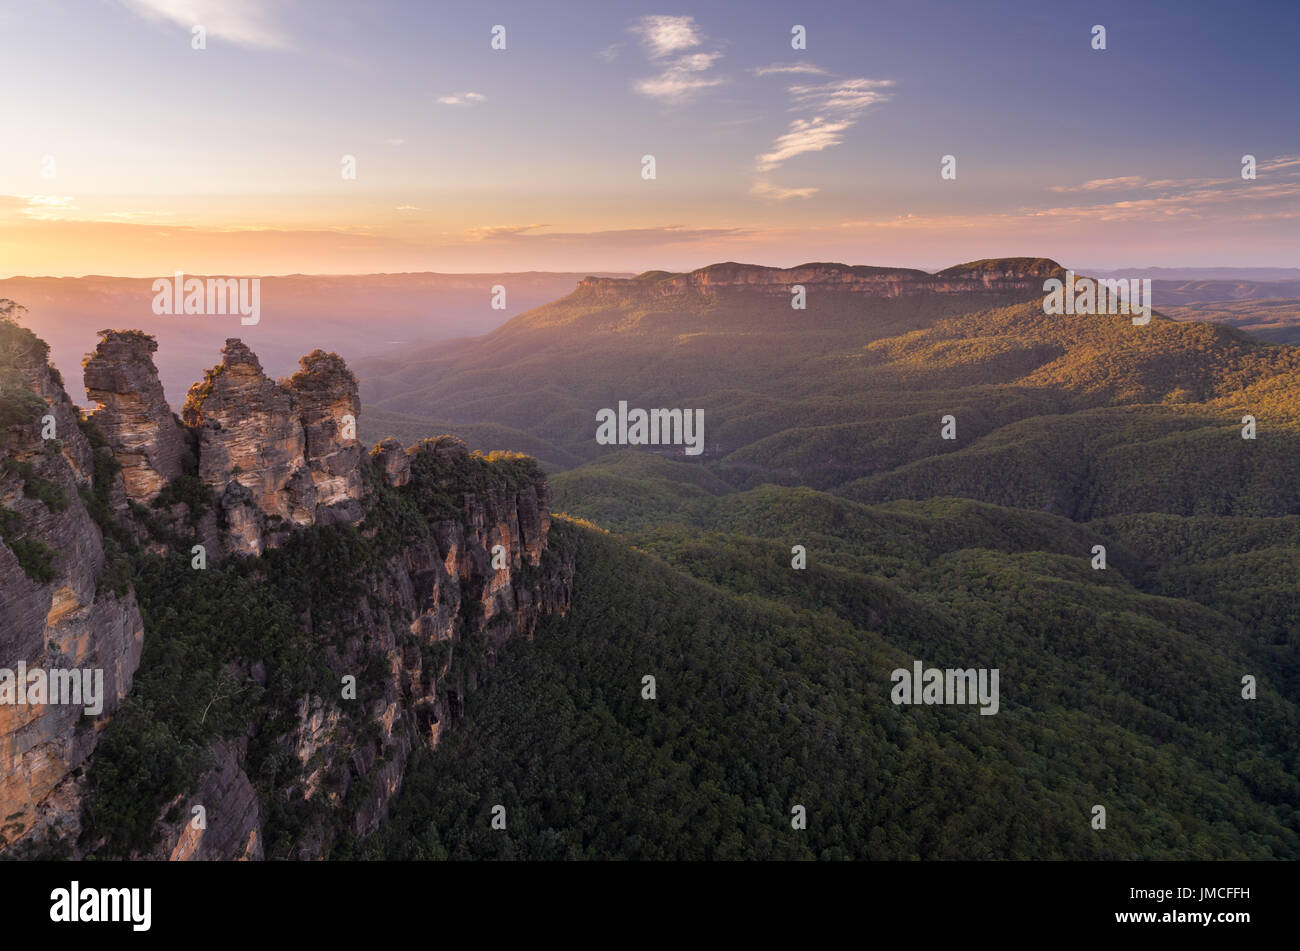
(311,614)
(1012,277)
(64,604)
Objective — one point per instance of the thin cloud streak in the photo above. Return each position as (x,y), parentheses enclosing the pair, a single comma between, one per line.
(462,99)
(837,106)
(786,69)
(242,22)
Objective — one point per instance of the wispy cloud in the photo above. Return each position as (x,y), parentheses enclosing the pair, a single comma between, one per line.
(63,209)
(836,107)
(681,74)
(462,99)
(765,189)
(805,135)
(680,80)
(134,215)
(497,232)
(394,141)
(786,69)
(1276,176)
(1099,184)
(1209,202)
(1229,198)
(665,35)
(49,207)
(847,97)
(1281,162)
(623,237)
(242,22)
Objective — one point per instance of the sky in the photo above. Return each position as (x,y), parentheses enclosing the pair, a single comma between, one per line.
(127,151)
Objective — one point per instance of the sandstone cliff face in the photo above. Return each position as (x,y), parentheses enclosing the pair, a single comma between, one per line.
(56,620)
(276,456)
(480,577)
(250,437)
(480,567)
(133,414)
(424,626)
(1012,276)
(229,825)
(393,460)
(328,407)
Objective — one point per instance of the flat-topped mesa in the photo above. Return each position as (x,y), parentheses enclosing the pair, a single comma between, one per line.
(1004,275)
(277,455)
(132,413)
(996,272)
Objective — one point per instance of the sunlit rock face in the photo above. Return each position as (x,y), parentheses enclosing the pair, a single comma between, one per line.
(393,461)
(277,455)
(328,408)
(473,571)
(133,414)
(64,619)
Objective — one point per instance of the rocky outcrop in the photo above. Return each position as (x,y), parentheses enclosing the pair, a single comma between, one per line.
(390,455)
(277,456)
(479,579)
(250,438)
(328,407)
(481,575)
(220,821)
(454,563)
(1010,276)
(133,414)
(59,611)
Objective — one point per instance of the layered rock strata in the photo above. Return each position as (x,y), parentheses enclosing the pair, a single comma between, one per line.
(272,457)
(277,456)
(132,412)
(1012,276)
(59,611)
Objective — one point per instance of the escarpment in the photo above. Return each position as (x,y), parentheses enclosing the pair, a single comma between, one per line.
(406,611)
(344,604)
(1011,277)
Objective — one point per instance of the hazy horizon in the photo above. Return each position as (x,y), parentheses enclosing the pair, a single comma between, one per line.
(1191,271)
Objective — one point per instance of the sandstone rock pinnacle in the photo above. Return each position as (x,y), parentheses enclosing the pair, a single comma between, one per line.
(133,414)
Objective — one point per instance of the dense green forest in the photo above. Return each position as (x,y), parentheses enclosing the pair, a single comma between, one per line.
(772,691)
(1121,687)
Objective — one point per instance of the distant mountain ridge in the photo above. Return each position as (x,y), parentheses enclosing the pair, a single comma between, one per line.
(1254,274)
(1005,274)
(847,394)
(360,316)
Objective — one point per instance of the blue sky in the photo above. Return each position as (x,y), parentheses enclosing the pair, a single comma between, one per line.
(470,158)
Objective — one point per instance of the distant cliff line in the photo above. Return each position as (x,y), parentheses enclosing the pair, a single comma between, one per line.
(997,275)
